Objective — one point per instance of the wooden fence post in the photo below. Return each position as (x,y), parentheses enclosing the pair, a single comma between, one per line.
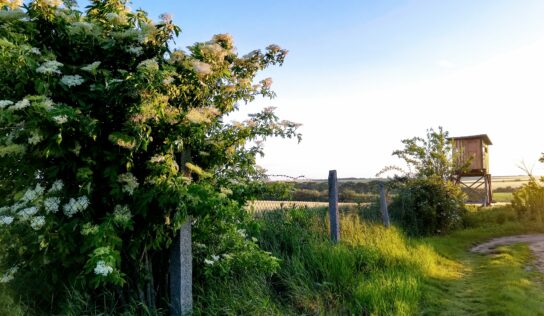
(181,272)
(383,206)
(333,207)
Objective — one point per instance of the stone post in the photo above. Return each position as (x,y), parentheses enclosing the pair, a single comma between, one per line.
(333,206)
(383,206)
(181,272)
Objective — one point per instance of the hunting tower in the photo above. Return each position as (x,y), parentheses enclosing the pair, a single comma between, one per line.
(473,150)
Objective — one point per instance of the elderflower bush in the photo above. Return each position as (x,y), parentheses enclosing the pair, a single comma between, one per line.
(110,139)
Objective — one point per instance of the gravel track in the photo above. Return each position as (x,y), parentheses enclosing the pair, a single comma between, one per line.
(535,242)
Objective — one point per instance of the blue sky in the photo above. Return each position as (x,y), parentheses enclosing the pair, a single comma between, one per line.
(362,75)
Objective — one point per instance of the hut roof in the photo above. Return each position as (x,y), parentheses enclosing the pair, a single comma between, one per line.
(484,137)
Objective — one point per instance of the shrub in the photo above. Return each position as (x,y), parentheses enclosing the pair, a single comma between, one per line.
(109,139)
(427,206)
(528,201)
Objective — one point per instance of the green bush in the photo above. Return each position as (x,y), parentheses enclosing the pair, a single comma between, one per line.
(427,206)
(528,201)
(109,139)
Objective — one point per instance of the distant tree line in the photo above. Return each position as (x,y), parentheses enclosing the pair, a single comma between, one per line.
(317,191)
(507,189)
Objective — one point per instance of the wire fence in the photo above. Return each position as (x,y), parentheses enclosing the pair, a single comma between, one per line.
(309,193)
(361,193)
(267,205)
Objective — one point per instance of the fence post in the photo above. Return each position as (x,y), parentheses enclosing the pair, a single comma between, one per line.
(383,206)
(181,272)
(333,206)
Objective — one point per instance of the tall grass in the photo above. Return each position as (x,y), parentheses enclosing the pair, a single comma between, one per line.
(372,271)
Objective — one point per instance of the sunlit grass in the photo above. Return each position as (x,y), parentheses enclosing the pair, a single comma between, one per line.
(502,196)
(503,283)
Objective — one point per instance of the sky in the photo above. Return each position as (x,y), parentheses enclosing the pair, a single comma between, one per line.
(363,75)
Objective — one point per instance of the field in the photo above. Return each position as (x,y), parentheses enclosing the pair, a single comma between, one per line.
(502,197)
(508,181)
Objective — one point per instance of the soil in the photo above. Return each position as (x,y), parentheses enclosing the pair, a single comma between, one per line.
(535,242)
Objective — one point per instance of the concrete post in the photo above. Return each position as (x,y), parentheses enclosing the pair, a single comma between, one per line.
(181,272)
(333,207)
(383,206)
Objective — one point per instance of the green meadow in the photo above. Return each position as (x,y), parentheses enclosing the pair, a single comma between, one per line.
(380,271)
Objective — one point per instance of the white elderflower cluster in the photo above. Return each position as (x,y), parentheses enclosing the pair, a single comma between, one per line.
(149,65)
(135,50)
(157,159)
(116,19)
(37,222)
(168,80)
(20,105)
(75,206)
(35,51)
(51,204)
(166,17)
(72,80)
(49,67)
(60,119)
(35,138)
(201,68)
(17,206)
(214,259)
(46,103)
(201,115)
(130,34)
(77,149)
(148,33)
(176,57)
(225,39)
(12,4)
(27,213)
(32,194)
(54,3)
(91,67)
(266,83)
(196,116)
(130,182)
(122,214)
(6,220)
(242,232)
(57,186)
(5,103)
(80,27)
(9,275)
(89,229)
(214,51)
(102,268)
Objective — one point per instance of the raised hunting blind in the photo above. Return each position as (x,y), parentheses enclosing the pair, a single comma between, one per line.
(473,151)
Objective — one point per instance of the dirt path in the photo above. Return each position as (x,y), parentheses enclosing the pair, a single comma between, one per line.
(535,241)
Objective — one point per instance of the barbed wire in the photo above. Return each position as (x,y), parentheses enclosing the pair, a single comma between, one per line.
(286,176)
